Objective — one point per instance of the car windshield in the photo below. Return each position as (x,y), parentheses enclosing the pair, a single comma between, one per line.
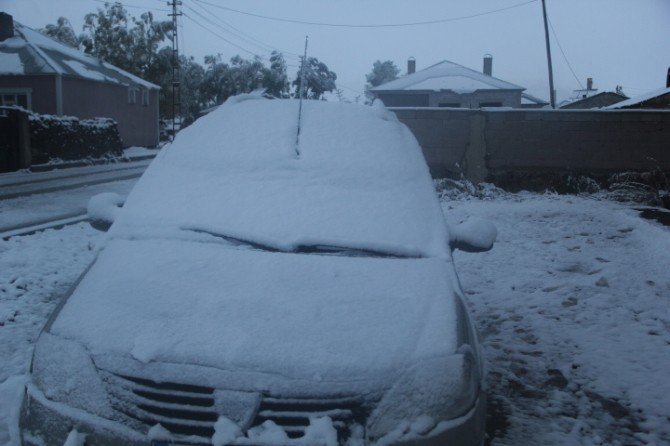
(237,176)
(304,248)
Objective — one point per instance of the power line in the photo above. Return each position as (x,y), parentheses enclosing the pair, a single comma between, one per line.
(132,6)
(251,39)
(219,27)
(212,23)
(339,84)
(381,25)
(221,37)
(564,55)
(224,27)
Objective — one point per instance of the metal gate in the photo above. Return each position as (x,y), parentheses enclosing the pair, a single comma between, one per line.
(14,140)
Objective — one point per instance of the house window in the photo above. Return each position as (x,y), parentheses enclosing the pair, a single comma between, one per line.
(490,104)
(145,97)
(11,98)
(132,95)
(449,104)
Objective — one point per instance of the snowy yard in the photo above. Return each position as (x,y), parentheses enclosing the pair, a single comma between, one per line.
(571,305)
(572,309)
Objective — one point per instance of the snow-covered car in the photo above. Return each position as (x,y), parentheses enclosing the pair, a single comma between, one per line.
(266,286)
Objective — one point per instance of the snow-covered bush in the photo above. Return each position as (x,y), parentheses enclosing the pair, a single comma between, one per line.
(459,189)
(69,138)
(651,188)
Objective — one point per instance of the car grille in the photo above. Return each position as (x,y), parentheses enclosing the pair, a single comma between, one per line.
(190,410)
(183,409)
(293,414)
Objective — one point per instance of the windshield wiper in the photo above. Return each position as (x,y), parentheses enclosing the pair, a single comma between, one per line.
(346,251)
(236,241)
(305,249)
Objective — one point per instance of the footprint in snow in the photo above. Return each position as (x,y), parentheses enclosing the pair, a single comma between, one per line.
(602,282)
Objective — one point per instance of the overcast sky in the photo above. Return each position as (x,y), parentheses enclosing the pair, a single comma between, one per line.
(616,42)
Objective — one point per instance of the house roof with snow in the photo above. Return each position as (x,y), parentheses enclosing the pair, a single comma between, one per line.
(600,100)
(447,75)
(529,99)
(29,52)
(656,98)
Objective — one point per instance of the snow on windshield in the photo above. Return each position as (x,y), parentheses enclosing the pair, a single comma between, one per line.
(360,181)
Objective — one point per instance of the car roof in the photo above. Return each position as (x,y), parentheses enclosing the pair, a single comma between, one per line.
(356,178)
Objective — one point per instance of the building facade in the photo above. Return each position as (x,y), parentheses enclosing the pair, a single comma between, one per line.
(48,77)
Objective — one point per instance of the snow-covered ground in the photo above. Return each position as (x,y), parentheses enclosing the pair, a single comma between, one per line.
(34,272)
(39,207)
(571,304)
(135,151)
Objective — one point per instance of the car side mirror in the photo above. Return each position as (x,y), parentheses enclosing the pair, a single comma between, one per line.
(103,209)
(473,235)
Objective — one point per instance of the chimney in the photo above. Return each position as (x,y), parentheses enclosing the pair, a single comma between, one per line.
(6,26)
(667,79)
(589,83)
(411,65)
(488,65)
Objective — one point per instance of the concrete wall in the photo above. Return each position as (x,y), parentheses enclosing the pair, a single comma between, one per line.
(42,89)
(138,124)
(480,143)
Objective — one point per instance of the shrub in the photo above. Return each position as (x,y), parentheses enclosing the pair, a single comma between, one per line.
(71,138)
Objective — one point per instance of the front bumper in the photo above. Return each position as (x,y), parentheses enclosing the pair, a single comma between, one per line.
(46,423)
(467,430)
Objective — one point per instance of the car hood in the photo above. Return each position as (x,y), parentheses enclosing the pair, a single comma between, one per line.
(300,316)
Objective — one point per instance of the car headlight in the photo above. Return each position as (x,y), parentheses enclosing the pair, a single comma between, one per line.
(64,372)
(433,390)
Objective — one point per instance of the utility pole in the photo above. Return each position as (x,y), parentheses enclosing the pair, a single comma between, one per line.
(301,91)
(552,95)
(176,76)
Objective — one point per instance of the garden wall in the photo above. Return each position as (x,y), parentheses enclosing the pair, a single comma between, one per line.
(490,144)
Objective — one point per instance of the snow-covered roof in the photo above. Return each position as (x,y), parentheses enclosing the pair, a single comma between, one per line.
(641,98)
(530,99)
(39,54)
(447,75)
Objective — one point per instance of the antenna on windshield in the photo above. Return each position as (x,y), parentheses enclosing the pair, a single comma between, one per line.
(301,91)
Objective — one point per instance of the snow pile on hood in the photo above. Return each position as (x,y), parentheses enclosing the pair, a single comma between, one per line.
(359,181)
(317,318)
